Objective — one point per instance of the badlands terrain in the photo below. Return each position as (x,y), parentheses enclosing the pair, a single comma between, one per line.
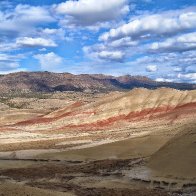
(86,142)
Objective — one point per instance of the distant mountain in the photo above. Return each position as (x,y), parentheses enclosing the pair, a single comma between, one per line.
(25,82)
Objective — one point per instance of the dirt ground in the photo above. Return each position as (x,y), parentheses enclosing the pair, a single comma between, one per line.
(150,157)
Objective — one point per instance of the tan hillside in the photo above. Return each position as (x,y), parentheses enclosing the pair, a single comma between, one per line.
(178,156)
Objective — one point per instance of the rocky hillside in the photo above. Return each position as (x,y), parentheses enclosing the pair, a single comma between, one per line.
(25,82)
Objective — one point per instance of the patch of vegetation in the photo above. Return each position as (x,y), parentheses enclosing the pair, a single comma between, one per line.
(7,98)
(36,95)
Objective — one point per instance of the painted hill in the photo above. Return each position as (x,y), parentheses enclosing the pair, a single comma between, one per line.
(119,107)
(163,120)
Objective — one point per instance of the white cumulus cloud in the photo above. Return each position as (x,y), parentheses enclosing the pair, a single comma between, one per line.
(188,76)
(151,68)
(91,12)
(9,63)
(180,43)
(23,19)
(164,80)
(35,42)
(153,25)
(111,55)
(49,61)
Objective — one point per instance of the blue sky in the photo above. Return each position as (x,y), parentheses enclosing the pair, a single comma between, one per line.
(137,37)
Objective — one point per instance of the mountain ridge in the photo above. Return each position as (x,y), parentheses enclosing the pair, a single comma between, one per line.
(26,82)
